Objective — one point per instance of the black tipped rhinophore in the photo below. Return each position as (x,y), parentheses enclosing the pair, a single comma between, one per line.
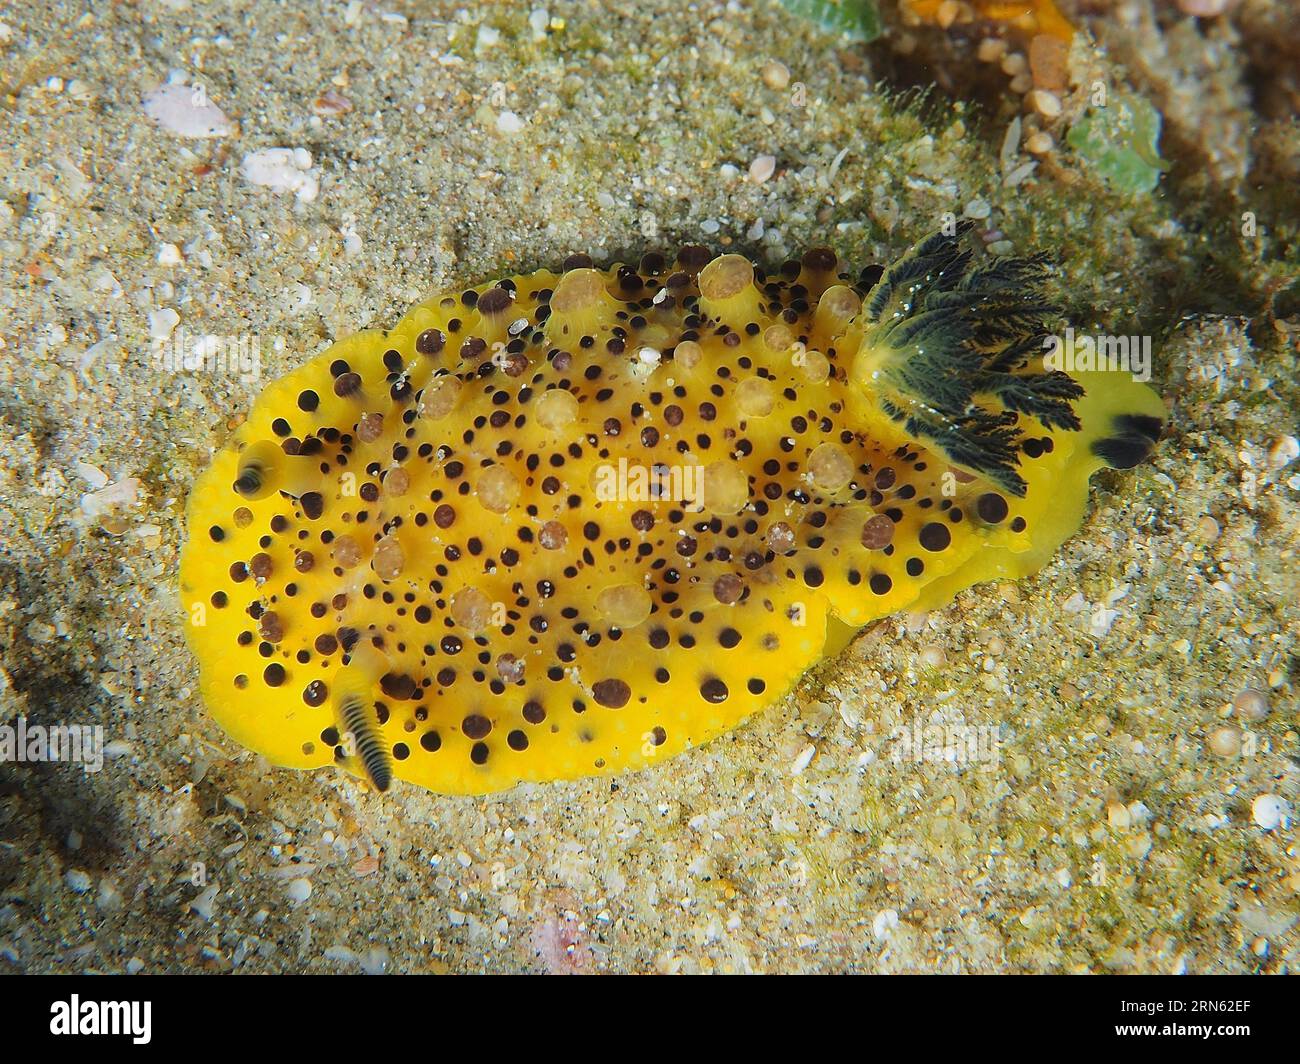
(249,482)
(962,333)
(1133,438)
(255,470)
(361,722)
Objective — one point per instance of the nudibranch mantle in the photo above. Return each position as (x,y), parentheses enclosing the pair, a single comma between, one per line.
(575,523)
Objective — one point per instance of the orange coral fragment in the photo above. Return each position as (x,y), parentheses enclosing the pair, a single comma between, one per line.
(1030,16)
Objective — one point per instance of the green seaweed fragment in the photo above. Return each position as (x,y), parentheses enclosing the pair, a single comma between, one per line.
(1121,140)
(859,20)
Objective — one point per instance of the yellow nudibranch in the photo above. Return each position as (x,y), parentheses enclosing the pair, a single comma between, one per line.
(575,523)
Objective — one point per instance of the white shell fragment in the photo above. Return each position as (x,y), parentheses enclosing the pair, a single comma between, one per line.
(1269,811)
(282,170)
(186,111)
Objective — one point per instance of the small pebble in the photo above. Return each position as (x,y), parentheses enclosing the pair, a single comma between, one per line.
(1014,64)
(1045,103)
(78,881)
(1225,742)
(205,904)
(282,170)
(1204,8)
(330,104)
(186,111)
(1283,452)
(299,890)
(1251,705)
(162,323)
(1139,846)
(1039,143)
(762,168)
(340,955)
(932,657)
(1268,811)
(81,91)
(108,898)
(776,75)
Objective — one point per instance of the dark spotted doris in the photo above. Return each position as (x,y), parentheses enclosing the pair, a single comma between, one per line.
(577,522)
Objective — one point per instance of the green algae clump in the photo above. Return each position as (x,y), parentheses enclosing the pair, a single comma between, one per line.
(1121,142)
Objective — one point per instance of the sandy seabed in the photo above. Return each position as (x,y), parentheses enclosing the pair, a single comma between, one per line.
(1131,810)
